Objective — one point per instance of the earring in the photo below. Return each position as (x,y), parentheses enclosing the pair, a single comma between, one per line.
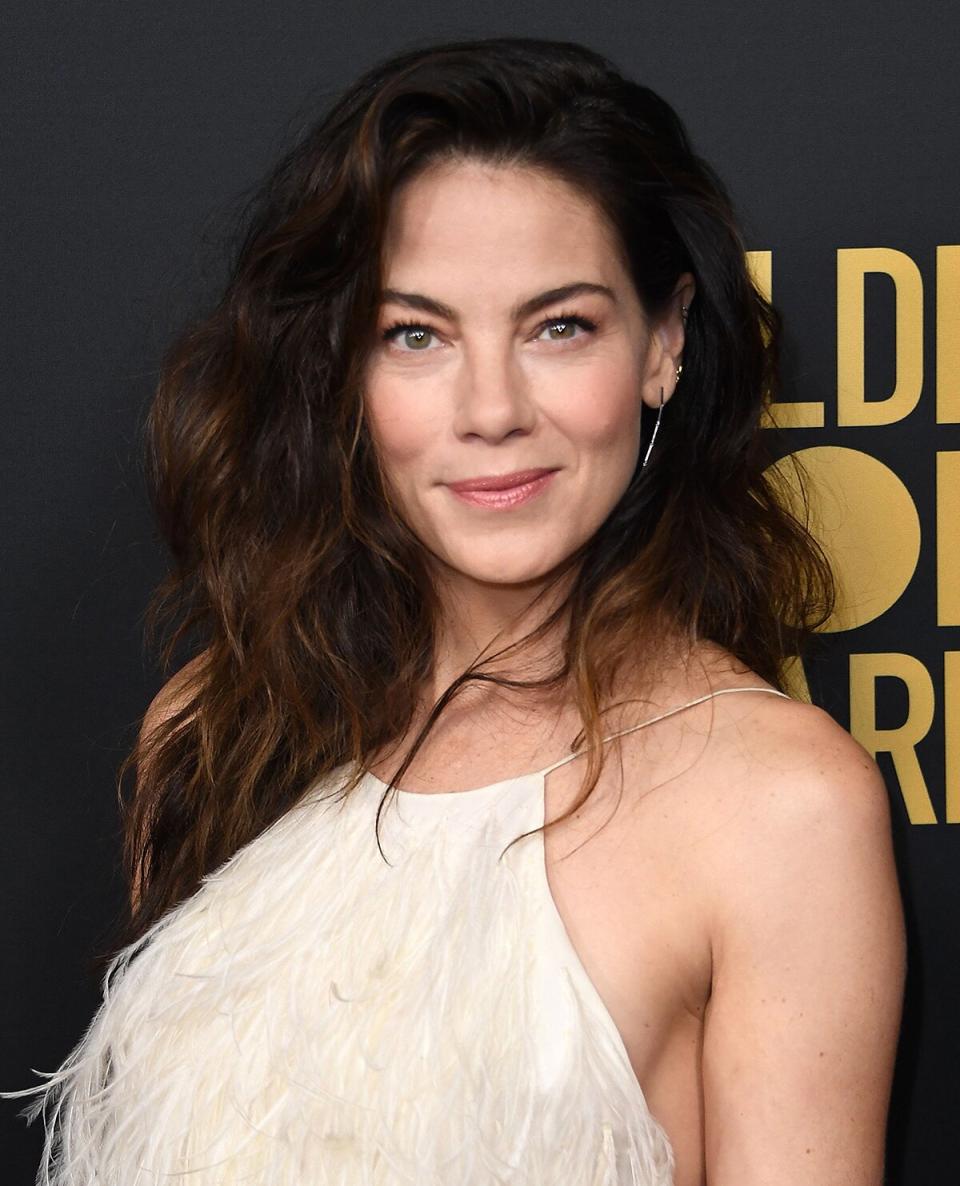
(655,427)
(683,315)
(684,312)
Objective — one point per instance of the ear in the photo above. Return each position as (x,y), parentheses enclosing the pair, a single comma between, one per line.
(667,338)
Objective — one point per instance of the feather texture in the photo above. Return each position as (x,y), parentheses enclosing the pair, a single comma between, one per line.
(314,1016)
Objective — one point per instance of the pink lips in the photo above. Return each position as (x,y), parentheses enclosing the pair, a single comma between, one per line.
(502,490)
(519,477)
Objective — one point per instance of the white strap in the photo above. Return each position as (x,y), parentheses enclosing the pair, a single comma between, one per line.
(668,713)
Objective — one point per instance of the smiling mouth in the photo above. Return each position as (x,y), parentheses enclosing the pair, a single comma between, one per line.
(519,477)
(494,493)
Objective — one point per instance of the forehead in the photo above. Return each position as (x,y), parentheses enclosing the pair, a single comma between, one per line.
(495,220)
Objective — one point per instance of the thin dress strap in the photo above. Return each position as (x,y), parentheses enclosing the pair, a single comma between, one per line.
(668,713)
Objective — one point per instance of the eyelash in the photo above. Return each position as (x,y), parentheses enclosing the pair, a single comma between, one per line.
(567,318)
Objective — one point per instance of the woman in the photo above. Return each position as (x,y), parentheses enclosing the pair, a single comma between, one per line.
(466,464)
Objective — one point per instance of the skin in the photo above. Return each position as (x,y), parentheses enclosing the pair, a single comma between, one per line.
(733,897)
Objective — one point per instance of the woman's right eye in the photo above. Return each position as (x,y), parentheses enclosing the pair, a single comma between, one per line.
(412,333)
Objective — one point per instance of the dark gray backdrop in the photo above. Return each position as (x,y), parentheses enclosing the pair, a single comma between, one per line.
(132,129)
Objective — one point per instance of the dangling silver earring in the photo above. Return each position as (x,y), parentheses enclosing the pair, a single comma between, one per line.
(655,427)
(683,314)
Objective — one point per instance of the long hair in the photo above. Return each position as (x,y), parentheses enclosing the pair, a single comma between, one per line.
(306,598)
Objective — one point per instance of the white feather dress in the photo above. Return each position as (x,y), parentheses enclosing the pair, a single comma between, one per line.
(314,1016)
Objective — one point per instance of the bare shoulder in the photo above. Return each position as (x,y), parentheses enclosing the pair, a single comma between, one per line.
(795,762)
(738,758)
(758,784)
(174,695)
(798,814)
(776,755)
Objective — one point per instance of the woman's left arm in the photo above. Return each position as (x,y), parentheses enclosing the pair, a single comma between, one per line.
(809,960)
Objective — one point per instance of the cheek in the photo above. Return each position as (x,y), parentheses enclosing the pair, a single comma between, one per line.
(603,412)
(400,431)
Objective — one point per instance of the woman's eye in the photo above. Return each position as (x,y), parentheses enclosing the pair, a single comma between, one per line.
(565,324)
(413,335)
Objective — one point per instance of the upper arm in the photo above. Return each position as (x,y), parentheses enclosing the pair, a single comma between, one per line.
(175,695)
(808,941)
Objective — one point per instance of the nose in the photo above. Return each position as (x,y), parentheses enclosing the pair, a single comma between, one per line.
(493,398)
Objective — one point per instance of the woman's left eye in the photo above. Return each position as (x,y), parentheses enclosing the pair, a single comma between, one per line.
(412,330)
(566,322)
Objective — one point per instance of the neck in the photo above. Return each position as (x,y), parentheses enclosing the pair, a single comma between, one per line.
(482,620)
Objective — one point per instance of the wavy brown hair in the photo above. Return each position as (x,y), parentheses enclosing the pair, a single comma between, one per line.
(306,600)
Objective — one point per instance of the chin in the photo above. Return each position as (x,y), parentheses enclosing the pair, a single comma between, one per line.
(501,569)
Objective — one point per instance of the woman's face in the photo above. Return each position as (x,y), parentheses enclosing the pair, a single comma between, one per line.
(498,371)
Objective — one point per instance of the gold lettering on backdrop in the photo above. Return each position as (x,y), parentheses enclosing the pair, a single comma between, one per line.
(795,679)
(948,335)
(852,266)
(951,732)
(864,518)
(760,266)
(948,538)
(899,743)
(799,413)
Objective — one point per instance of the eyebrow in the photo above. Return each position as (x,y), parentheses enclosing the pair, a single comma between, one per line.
(416,300)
